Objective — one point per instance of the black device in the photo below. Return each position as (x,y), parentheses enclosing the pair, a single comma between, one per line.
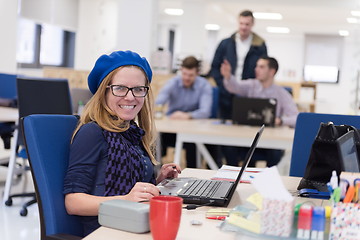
(207,192)
(254,111)
(347,152)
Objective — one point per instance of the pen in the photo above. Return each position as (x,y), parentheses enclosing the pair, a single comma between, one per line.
(336,195)
(357,194)
(216,217)
(349,194)
(343,186)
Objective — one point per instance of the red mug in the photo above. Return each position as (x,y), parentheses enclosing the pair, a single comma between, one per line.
(164,217)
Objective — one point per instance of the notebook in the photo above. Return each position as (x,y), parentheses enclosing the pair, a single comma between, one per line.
(347,152)
(209,192)
(254,111)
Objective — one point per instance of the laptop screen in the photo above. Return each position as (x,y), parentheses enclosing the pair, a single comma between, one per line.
(248,158)
(254,111)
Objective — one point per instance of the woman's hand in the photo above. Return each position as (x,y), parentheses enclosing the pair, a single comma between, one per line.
(142,192)
(169,170)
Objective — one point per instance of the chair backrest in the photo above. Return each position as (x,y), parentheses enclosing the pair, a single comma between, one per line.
(47,141)
(42,96)
(307,126)
(215,103)
(8,86)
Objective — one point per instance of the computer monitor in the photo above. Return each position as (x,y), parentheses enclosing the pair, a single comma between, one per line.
(347,152)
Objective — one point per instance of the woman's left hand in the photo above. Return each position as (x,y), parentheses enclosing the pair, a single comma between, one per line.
(169,170)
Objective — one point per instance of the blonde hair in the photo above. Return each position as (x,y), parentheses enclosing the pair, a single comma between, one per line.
(96,110)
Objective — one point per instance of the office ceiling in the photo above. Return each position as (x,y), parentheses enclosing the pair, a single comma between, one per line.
(301,16)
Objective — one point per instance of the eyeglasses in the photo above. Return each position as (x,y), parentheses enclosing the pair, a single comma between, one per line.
(122,91)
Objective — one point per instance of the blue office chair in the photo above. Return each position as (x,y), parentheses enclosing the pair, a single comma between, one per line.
(215,103)
(307,126)
(8,97)
(37,96)
(47,140)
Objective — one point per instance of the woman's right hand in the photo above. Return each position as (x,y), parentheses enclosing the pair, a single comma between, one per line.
(142,192)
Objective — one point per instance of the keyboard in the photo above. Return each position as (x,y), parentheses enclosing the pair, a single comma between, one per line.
(201,188)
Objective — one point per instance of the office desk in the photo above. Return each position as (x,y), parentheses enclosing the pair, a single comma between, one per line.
(210,131)
(8,114)
(208,230)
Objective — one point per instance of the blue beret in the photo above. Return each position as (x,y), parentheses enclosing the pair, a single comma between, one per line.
(107,63)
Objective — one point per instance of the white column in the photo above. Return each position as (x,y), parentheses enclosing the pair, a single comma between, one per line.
(137,26)
(109,25)
(192,32)
(8,27)
(97,31)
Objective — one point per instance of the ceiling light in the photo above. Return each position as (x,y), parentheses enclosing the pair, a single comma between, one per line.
(277,29)
(355,13)
(174,11)
(352,20)
(343,33)
(268,16)
(213,27)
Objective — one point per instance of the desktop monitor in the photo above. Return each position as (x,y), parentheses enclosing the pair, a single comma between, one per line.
(321,74)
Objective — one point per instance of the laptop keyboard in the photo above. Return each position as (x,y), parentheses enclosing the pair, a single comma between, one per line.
(203,188)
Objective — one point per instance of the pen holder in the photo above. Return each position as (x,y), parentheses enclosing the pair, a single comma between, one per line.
(345,221)
(277,217)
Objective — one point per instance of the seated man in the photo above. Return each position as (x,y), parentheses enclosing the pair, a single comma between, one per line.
(261,87)
(188,96)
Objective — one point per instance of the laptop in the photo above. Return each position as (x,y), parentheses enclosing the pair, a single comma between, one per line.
(207,192)
(347,152)
(254,111)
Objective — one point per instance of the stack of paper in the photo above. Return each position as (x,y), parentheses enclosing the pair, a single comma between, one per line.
(230,173)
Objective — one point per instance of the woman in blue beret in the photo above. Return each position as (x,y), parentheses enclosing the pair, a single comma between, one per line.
(111,155)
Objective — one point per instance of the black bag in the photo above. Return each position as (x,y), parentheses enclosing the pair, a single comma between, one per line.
(324,156)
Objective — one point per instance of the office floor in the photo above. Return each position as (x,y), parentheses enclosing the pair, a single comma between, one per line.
(12,225)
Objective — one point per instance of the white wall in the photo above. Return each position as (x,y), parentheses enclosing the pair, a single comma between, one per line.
(107,25)
(8,19)
(62,13)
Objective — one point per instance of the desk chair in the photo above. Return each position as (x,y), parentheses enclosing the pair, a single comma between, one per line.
(8,97)
(215,103)
(47,140)
(35,95)
(307,126)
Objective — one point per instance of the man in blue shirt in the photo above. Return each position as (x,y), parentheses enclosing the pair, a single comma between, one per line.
(188,96)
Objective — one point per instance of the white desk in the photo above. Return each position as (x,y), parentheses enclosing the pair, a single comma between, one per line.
(209,131)
(8,114)
(209,229)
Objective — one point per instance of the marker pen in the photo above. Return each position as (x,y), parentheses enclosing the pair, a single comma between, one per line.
(304,222)
(344,184)
(318,223)
(349,194)
(216,217)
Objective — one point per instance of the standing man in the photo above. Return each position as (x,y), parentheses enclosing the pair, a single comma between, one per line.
(242,50)
(187,96)
(262,87)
